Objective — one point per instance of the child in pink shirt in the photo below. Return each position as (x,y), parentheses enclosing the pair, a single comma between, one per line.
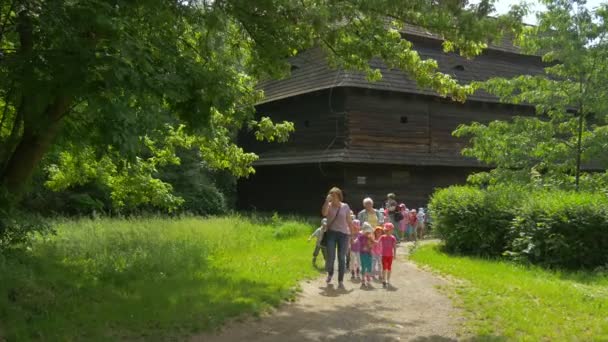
(389,250)
(377,253)
(366,242)
(411,227)
(355,248)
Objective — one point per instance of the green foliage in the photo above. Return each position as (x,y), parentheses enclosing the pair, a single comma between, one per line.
(17,226)
(569,99)
(562,229)
(111,72)
(503,301)
(130,185)
(547,227)
(473,221)
(114,88)
(151,279)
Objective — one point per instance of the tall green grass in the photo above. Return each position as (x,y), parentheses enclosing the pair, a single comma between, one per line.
(148,279)
(506,301)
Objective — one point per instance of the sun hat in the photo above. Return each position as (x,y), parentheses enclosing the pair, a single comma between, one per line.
(324,221)
(388,226)
(367,228)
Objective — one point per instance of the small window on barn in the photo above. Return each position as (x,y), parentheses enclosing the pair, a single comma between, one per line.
(294,67)
(403,119)
(361,180)
(459,67)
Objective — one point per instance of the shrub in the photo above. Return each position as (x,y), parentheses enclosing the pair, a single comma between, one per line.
(17,226)
(207,200)
(562,229)
(474,221)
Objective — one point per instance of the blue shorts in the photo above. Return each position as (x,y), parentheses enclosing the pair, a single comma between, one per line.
(410,229)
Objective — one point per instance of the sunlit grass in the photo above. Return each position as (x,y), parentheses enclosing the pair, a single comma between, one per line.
(148,278)
(522,303)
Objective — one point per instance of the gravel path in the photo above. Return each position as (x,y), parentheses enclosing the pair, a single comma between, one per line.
(413,310)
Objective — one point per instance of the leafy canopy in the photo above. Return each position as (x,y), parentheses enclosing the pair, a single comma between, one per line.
(104,83)
(569,98)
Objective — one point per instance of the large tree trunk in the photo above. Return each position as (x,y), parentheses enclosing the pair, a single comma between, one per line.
(34,143)
(25,149)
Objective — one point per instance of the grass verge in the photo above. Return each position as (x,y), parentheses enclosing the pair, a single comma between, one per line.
(149,279)
(506,301)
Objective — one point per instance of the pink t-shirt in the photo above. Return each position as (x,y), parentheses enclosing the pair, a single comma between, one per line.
(388,243)
(340,224)
(377,249)
(406,220)
(355,244)
(413,219)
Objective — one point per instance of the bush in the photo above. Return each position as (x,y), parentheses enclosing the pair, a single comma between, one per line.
(17,226)
(562,229)
(551,228)
(473,221)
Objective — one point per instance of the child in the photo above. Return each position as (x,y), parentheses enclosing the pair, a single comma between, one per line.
(366,242)
(377,253)
(421,218)
(411,228)
(389,250)
(404,222)
(355,260)
(318,234)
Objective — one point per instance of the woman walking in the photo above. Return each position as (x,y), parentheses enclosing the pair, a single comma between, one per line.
(369,214)
(338,233)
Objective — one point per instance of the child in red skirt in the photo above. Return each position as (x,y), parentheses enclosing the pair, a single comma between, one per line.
(389,250)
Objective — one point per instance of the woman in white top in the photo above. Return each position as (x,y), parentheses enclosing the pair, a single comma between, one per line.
(339,227)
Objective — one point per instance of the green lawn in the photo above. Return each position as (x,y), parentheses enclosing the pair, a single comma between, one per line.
(504,301)
(148,279)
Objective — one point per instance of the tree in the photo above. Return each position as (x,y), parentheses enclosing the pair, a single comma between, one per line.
(103,74)
(569,98)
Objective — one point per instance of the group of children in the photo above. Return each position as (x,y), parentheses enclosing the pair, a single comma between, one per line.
(371,254)
(412,226)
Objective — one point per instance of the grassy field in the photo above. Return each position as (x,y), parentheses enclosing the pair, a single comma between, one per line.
(504,301)
(148,279)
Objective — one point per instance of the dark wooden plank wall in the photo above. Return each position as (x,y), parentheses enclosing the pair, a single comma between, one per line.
(302,188)
(318,118)
(413,185)
(412,124)
(445,117)
(289,188)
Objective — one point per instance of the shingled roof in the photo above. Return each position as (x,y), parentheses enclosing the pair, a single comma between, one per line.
(505,44)
(310,71)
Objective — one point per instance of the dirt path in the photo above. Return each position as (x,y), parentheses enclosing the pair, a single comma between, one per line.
(413,310)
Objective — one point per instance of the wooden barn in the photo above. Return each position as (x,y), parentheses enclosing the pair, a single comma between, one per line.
(371,138)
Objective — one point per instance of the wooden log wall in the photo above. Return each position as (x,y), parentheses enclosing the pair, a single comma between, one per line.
(413,124)
(318,117)
(413,185)
(289,188)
